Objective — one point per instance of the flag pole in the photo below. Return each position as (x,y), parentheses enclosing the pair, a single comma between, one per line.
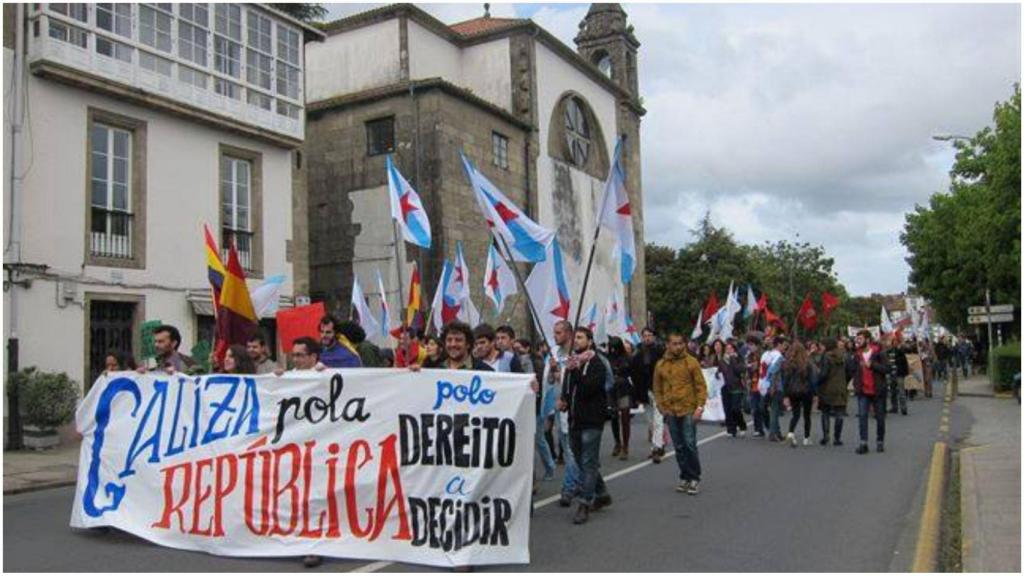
(522,285)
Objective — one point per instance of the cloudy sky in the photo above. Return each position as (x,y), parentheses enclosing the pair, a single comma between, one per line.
(799,121)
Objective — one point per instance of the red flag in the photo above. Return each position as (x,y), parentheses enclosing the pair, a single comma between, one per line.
(293,323)
(807,316)
(762,302)
(828,303)
(711,307)
(772,319)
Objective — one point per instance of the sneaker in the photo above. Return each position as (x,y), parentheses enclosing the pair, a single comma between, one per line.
(791,438)
(837,442)
(564,501)
(807,441)
(862,449)
(758,434)
(657,454)
(823,441)
(312,561)
(683,486)
(602,501)
(582,514)
(548,476)
(880,447)
(693,488)
(743,433)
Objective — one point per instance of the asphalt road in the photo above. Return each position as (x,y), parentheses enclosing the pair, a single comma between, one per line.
(762,508)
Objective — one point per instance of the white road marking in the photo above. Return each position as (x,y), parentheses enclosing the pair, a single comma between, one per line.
(375,566)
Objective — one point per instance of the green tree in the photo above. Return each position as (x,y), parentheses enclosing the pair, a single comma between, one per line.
(968,238)
(308,13)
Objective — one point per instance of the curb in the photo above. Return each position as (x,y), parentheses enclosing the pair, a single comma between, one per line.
(926,554)
(39,487)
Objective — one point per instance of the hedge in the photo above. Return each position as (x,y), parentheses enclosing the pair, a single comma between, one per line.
(1005,364)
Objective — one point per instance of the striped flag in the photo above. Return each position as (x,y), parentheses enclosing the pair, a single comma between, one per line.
(413,304)
(236,318)
(406,208)
(215,271)
(499,281)
(617,216)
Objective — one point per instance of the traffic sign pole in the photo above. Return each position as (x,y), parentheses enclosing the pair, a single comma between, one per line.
(988,312)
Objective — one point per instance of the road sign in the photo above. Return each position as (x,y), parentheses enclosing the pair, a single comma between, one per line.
(983,319)
(996,309)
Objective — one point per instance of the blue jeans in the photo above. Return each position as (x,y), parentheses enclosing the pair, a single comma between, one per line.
(543,450)
(571,479)
(775,404)
(683,430)
(587,443)
(757,407)
(864,403)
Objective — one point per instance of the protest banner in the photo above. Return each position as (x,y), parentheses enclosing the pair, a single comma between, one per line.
(714,410)
(429,467)
(876,331)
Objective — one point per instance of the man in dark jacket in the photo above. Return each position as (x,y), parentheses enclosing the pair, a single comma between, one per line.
(896,360)
(644,361)
(867,369)
(583,396)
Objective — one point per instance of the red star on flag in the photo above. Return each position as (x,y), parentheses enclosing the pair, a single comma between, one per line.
(406,205)
(562,310)
(449,313)
(503,211)
(493,280)
(624,210)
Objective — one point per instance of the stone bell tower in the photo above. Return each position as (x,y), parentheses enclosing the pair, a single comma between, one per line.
(606,40)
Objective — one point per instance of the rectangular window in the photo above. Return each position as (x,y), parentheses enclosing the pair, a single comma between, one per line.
(258,99)
(155,28)
(116,18)
(228,21)
(69,34)
(286,109)
(380,136)
(235,198)
(225,88)
(227,57)
(155,63)
(79,12)
(258,67)
(192,43)
(287,81)
(288,45)
(192,76)
(110,155)
(259,32)
(114,49)
(499,147)
(195,13)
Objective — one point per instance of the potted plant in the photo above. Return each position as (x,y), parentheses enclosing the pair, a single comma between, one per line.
(48,400)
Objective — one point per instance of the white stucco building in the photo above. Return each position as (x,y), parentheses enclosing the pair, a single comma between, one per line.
(128,127)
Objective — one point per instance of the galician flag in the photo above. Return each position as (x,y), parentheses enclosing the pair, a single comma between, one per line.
(731,309)
(366,318)
(526,239)
(499,280)
(885,325)
(445,307)
(631,332)
(616,215)
(460,288)
(407,209)
(613,314)
(698,329)
(549,290)
(591,319)
(751,308)
(265,296)
(385,311)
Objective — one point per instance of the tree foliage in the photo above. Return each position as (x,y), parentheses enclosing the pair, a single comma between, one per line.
(679,282)
(967,239)
(308,13)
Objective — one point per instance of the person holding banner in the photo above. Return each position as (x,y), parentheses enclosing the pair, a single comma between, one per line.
(583,399)
(237,361)
(256,347)
(457,338)
(681,393)
(334,352)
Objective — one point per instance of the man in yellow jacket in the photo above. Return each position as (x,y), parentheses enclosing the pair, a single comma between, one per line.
(680,393)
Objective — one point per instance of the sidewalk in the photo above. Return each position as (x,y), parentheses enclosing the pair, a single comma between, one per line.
(27,470)
(990,465)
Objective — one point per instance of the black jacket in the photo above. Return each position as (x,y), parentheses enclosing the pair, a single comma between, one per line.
(732,374)
(897,363)
(584,393)
(644,361)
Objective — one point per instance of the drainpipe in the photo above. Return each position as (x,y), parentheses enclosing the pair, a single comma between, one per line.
(14,438)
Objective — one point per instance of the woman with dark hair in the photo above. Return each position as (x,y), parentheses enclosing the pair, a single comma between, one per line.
(117,361)
(706,356)
(237,361)
(619,359)
(797,373)
(435,355)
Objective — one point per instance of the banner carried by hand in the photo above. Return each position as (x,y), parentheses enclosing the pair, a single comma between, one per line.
(429,467)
